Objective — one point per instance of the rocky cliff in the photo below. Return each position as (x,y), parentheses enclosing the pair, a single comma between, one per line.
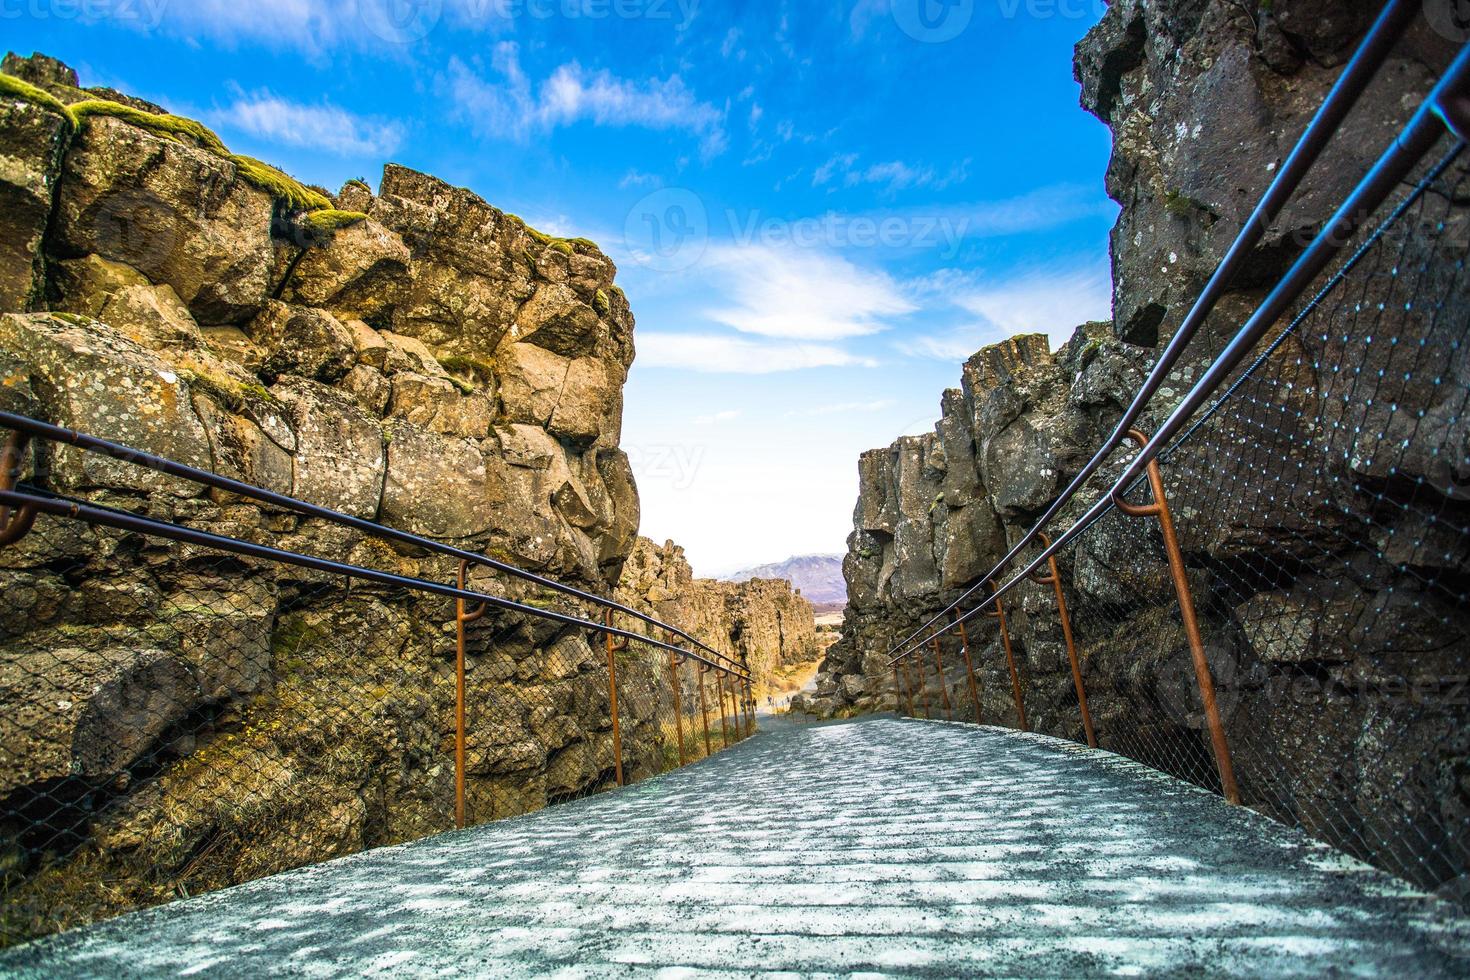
(1204,98)
(763,623)
(176,721)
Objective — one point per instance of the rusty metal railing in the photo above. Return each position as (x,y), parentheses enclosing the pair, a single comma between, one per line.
(527,735)
(1423,170)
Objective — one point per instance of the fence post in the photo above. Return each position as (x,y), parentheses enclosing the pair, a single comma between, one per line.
(749,708)
(701,670)
(923,683)
(897,691)
(461,619)
(908,673)
(612,697)
(1005,642)
(720,697)
(943,685)
(1053,577)
(1160,509)
(14,526)
(678,704)
(969,664)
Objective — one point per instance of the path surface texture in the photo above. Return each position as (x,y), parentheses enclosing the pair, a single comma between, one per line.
(884,847)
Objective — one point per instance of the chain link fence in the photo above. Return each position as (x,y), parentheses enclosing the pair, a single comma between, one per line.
(1322,508)
(180,718)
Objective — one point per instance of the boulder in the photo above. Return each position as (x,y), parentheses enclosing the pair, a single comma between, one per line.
(179,215)
(436,485)
(340,459)
(303,341)
(31,144)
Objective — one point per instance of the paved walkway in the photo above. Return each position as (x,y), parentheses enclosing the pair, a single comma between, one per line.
(881,846)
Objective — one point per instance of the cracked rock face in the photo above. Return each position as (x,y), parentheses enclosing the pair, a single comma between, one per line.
(1314,589)
(439,367)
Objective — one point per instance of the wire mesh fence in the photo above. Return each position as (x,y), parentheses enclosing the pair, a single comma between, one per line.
(1322,506)
(178,719)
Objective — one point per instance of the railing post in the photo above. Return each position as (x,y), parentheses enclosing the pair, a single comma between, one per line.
(701,670)
(612,697)
(923,683)
(720,697)
(943,685)
(897,690)
(1054,579)
(908,673)
(461,619)
(1205,679)
(16,525)
(678,705)
(969,664)
(1005,642)
(749,708)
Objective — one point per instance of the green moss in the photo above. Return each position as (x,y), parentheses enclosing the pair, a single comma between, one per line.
(465,388)
(329,221)
(481,370)
(26,92)
(564,247)
(75,319)
(601,303)
(280,186)
(232,394)
(165,125)
(585,243)
(1180,205)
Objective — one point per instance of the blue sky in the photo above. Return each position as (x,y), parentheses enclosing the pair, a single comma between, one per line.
(818,210)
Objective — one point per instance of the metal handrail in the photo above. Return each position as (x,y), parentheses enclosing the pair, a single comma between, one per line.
(1360,71)
(55,433)
(60,506)
(1429,124)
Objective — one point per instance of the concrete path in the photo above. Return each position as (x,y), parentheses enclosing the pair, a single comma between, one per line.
(881,846)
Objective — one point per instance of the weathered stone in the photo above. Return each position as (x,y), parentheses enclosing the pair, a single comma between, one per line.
(90,378)
(31,143)
(360,273)
(436,485)
(438,405)
(304,341)
(154,316)
(177,214)
(339,448)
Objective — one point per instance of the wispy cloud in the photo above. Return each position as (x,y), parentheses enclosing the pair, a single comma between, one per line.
(511,106)
(1054,301)
(714,354)
(324,126)
(801,294)
(844,408)
(844,170)
(729,415)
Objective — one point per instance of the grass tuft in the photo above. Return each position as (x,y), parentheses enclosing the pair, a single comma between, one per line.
(328,221)
(165,125)
(26,92)
(288,189)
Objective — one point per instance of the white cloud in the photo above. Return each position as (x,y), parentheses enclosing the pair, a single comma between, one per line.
(637,178)
(1038,210)
(1054,301)
(801,293)
(845,408)
(513,107)
(893,175)
(324,126)
(714,354)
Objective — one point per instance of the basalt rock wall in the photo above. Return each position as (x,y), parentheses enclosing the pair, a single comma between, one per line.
(763,623)
(175,720)
(1204,99)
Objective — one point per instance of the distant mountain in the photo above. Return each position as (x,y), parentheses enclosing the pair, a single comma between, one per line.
(819,577)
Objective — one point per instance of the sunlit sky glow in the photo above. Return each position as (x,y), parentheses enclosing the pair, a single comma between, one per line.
(818,210)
